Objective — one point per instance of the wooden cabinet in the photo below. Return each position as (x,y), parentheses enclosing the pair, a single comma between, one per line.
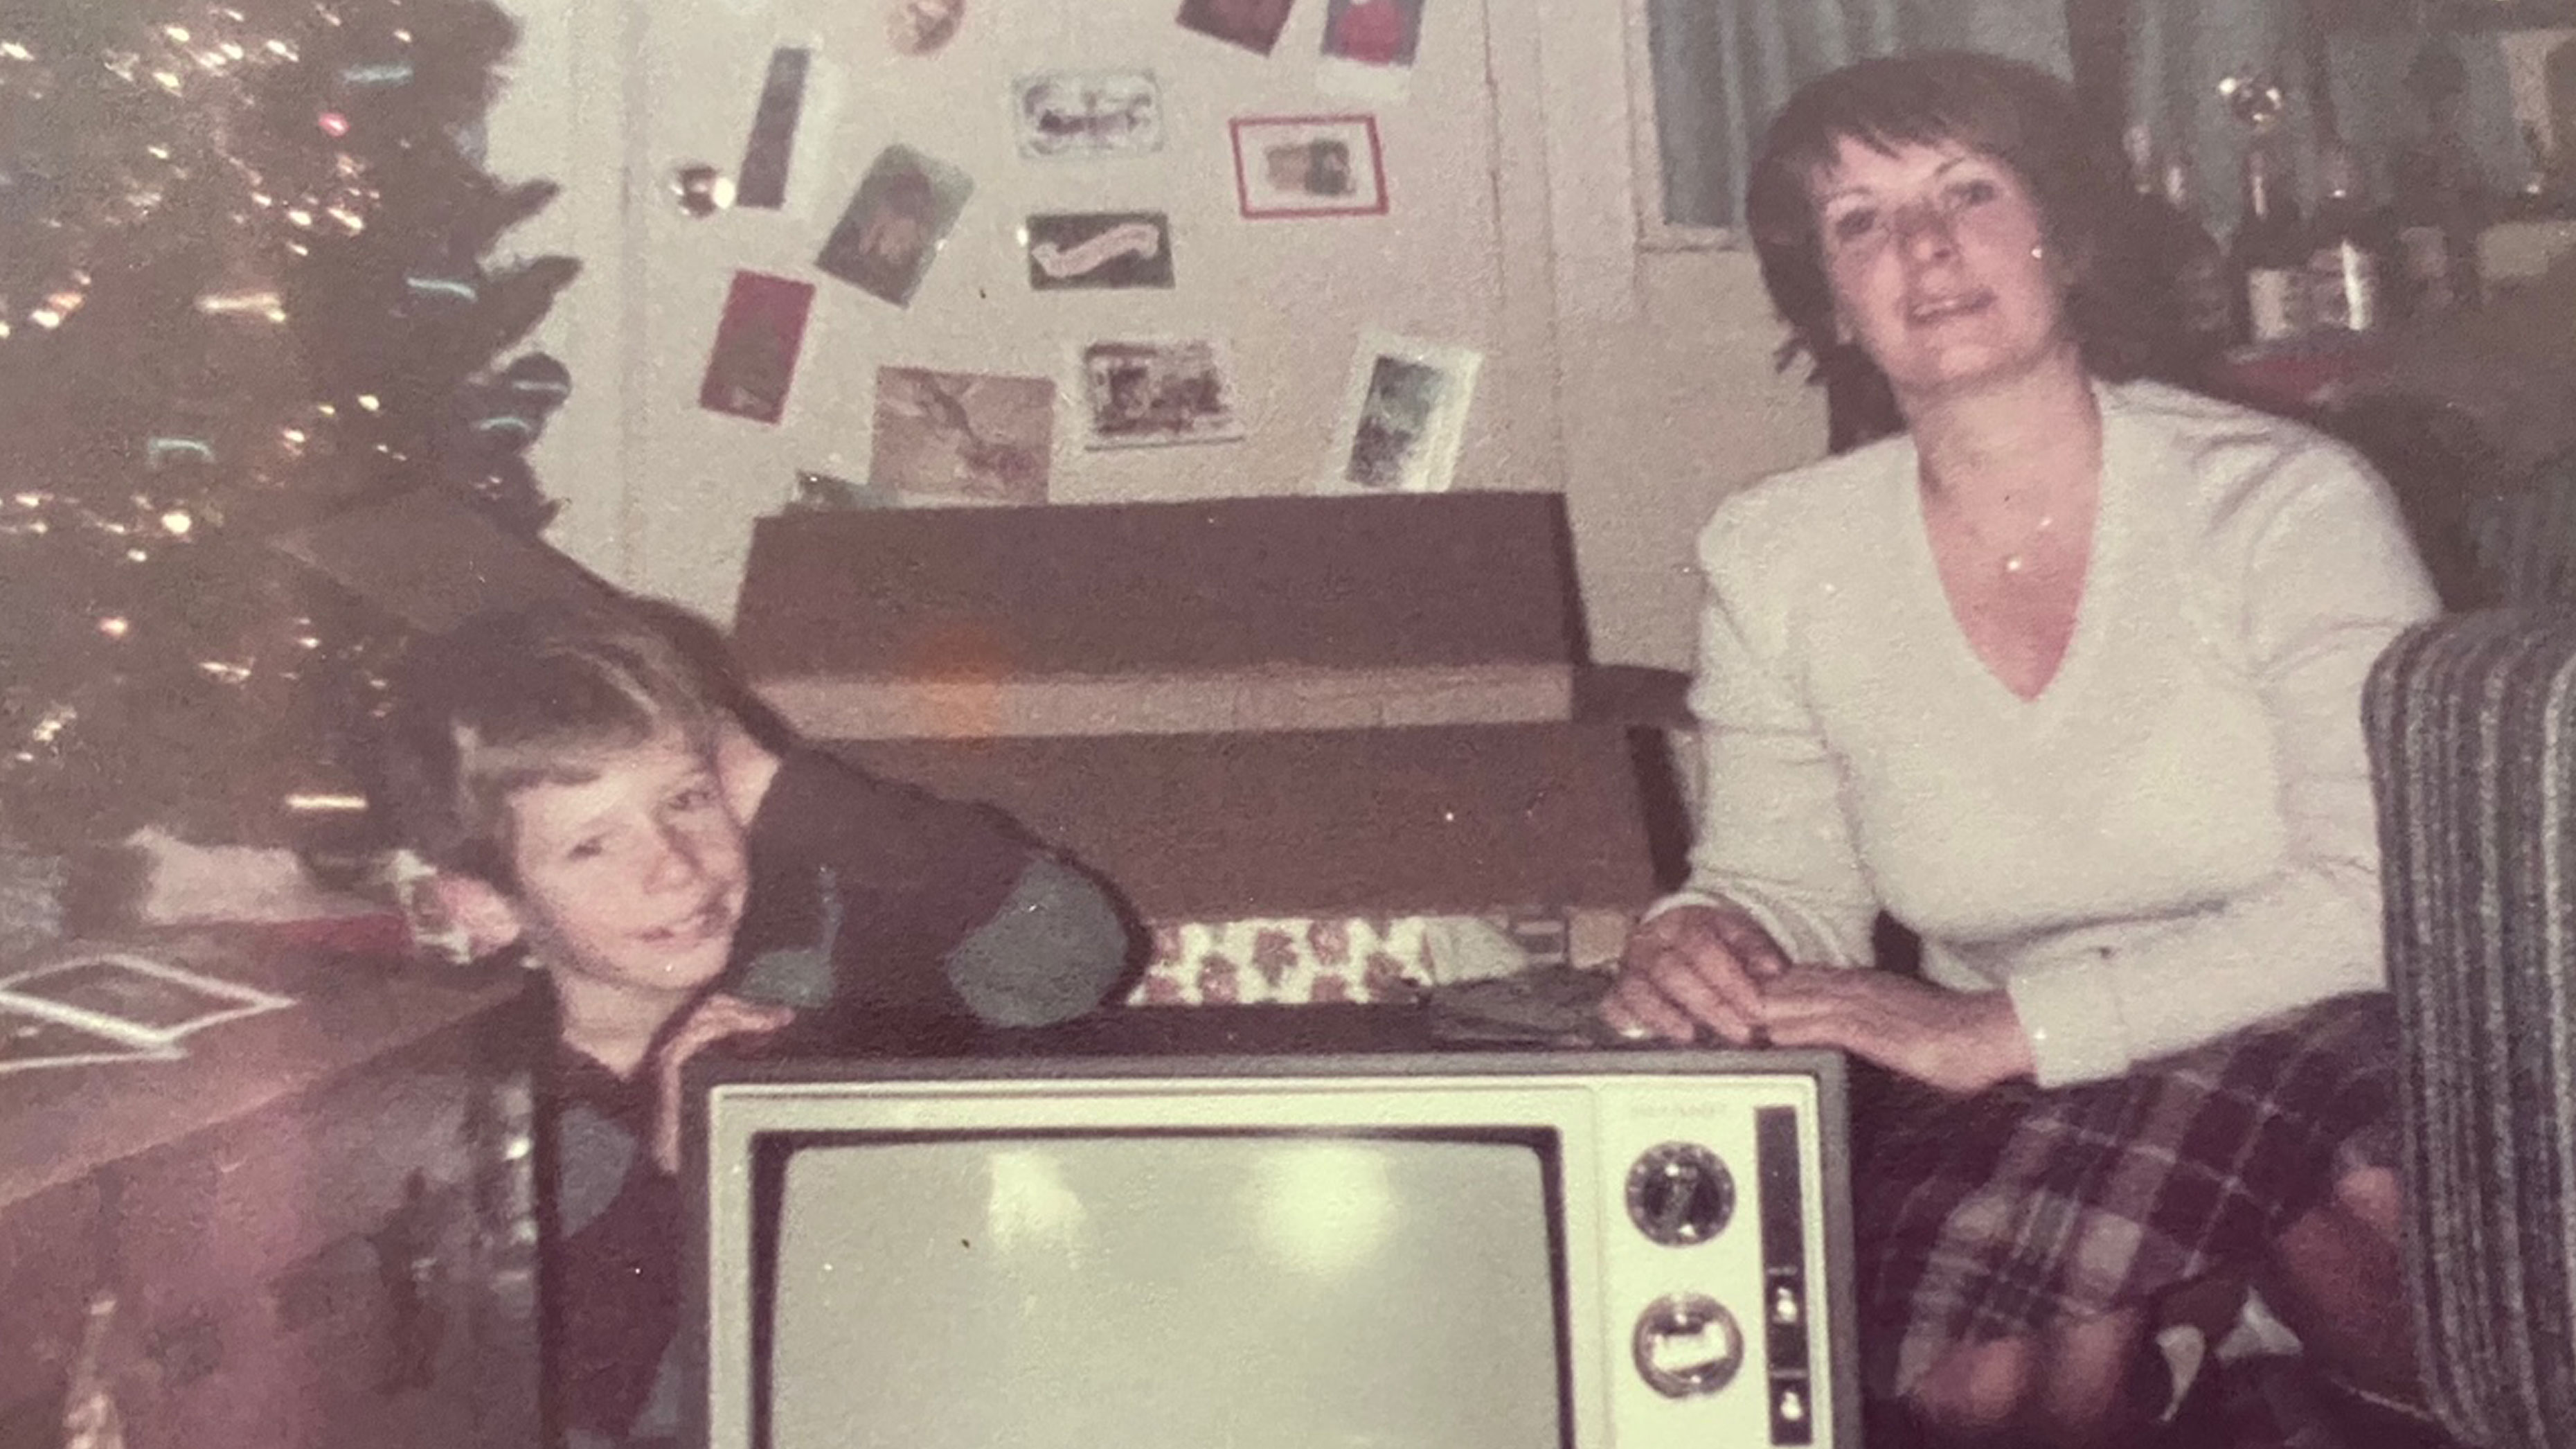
(316,1228)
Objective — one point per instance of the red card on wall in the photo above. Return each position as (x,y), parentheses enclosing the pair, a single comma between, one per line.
(754,357)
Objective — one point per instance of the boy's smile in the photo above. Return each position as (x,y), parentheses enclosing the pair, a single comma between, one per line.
(635,878)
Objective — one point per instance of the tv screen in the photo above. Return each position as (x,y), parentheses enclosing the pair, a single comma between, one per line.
(1440,1250)
(1259,1291)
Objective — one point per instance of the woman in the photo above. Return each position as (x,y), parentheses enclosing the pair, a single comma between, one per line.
(2066,678)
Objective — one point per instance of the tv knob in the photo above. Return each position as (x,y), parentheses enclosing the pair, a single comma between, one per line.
(1687,1345)
(1680,1194)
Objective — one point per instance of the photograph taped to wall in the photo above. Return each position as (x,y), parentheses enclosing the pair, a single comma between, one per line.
(1289,166)
(754,356)
(1147,393)
(1098,249)
(963,434)
(1072,115)
(895,224)
(1404,414)
(1252,24)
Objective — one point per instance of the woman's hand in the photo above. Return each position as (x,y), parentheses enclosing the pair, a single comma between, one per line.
(1957,1041)
(1694,967)
(717,1017)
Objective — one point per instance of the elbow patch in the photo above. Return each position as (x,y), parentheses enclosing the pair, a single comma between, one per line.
(1052,951)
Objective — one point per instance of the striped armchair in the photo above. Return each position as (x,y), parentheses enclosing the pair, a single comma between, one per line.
(2472,725)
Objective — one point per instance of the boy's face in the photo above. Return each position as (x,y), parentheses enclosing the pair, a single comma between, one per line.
(635,879)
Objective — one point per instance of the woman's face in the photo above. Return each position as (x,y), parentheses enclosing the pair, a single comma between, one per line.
(1937,266)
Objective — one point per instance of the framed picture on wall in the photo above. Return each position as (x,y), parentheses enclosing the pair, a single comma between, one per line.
(1289,166)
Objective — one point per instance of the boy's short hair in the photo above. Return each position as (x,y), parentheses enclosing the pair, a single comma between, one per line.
(529,697)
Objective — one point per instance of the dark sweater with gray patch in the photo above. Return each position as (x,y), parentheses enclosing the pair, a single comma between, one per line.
(870,903)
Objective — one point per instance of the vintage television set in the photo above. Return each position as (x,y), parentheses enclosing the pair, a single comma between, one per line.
(1488,1249)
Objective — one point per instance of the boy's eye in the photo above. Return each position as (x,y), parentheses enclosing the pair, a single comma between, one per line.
(588,848)
(693,797)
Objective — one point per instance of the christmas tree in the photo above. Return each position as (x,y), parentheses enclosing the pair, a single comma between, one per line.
(246,282)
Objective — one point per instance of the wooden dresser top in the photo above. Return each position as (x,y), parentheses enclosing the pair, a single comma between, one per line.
(62,1124)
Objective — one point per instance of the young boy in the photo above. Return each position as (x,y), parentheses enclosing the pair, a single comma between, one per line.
(588,782)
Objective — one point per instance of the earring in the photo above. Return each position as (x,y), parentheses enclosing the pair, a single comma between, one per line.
(2039,251)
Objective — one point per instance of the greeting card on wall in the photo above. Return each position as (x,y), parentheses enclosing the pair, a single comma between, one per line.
(1139,393)
(963,434)
(1287,166)
(1373,32)
(1252,24)
(1072,115)
(919,27)
(754,357)
(1404,414)
(895,223)
(1099,249)
(1369,46)
(763,180)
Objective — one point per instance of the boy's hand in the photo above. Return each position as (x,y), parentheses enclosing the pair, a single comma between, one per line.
(744,768)
(717,1017)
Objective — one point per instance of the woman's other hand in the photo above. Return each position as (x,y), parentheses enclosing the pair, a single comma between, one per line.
(716,1018)
(1956,1041)
(1693,967)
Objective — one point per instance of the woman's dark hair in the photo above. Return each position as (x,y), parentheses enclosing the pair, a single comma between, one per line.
(2017,114)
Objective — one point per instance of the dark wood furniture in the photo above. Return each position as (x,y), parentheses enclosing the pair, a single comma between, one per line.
(316,1228)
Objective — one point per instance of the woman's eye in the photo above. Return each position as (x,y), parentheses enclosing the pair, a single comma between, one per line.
(589,849)
(1851,226)
(1974,191)
(694,797)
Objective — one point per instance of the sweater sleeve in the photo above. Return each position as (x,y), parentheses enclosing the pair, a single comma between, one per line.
(872,895)
(1772,838)
(1053,950)
(2330,578)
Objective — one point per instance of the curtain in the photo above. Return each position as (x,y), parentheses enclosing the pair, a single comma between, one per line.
(1722,67)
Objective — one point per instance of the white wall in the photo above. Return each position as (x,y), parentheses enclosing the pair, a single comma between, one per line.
(1638,382)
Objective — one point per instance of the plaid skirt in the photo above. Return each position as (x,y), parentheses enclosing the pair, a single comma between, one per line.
(1998,1215)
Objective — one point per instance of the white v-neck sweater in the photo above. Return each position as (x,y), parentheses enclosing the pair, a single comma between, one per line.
(2174,840)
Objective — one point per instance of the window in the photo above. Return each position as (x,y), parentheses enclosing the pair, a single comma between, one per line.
(1707,74)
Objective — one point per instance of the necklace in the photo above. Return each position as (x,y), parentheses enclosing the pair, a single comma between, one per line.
(2015,559)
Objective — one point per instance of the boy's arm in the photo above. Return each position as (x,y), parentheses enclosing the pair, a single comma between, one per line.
(744,769)
(882,896)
